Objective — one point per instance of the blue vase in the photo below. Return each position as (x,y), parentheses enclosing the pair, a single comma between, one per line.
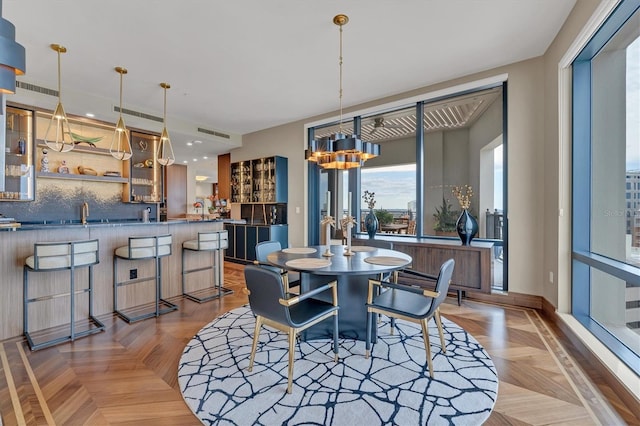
(467,227)
(371,224)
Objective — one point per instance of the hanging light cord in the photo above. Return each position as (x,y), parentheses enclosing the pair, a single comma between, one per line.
(340,93)
(59,86)
(120,93)
(164,117)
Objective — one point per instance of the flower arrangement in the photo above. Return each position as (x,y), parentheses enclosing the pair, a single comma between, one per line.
(369,199)
(463,194)
(213,198)
(197,205)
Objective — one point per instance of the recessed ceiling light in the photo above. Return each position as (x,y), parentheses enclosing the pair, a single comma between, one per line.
(195,159)
(185,161)
(90,114)
(205,157)
(196,141)
(189,144)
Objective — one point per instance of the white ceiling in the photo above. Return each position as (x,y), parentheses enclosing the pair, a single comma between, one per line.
(241,66)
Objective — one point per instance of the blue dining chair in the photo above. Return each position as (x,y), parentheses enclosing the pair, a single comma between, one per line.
(264,249)
(288,313)
(411,303)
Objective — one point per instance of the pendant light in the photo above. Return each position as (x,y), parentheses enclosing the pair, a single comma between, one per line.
(12,56)
(165,151)
(120,146)
(58,135)
(340,151)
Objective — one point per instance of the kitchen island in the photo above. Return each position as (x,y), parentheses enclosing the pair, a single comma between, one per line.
(17,245)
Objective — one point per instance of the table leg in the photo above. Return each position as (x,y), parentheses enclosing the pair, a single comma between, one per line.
(352,316)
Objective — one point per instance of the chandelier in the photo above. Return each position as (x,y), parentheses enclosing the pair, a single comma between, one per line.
(341,151)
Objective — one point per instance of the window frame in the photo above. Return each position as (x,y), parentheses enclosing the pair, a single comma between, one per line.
(583,259)
(313,170)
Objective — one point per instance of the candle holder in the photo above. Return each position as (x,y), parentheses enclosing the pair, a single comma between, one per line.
(328,221)
(347,223)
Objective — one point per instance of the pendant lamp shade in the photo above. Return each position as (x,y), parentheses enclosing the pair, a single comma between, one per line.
(58,135)
(12,56)
(120,145)
(165,150)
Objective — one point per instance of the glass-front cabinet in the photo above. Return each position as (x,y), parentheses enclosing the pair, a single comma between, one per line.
(16,158)
(263,180)
(144,172)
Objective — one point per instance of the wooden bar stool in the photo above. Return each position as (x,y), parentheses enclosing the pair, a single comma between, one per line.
(143,248)
(214,242)
(59,256)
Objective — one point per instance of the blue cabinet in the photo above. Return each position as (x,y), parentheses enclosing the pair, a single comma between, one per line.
(244,237)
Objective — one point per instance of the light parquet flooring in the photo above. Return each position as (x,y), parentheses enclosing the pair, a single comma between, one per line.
(127,375)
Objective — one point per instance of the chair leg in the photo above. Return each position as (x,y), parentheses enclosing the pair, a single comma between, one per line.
(439,323)
(285,281)
(256,334)
(335,337)
(368,342)
(292,341)
(427,345)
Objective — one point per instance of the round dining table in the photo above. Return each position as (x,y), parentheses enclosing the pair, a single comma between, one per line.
(352,274)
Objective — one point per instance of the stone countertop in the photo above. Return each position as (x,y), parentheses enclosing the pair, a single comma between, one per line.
(27,226)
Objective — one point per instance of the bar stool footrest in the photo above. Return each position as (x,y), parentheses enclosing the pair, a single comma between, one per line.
(208,293)
(45,338)
(149,311)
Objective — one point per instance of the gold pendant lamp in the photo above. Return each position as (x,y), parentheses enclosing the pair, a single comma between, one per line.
(340,151)
(58,135)
(120,145)
(165,151)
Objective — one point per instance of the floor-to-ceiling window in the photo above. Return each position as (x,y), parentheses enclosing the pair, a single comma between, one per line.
(427,149)
(606,174)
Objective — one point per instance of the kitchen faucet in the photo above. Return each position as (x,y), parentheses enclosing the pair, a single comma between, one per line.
(85,212)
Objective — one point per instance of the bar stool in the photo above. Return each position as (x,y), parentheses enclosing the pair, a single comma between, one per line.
(141,248)
(59,256)
(214,242)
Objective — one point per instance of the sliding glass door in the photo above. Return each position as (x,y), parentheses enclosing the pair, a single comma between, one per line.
(427,149)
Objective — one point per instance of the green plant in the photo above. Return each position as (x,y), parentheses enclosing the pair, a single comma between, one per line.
(384,216)
(445,217)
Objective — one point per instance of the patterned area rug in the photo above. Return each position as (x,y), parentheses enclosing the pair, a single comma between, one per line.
(391,387)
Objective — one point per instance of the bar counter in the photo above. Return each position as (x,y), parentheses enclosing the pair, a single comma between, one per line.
(17,244)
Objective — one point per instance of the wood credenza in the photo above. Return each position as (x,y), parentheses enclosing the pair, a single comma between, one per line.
(474,264)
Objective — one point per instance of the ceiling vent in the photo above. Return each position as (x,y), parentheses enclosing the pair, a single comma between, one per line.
(214,133)
(38,89)
(138,114)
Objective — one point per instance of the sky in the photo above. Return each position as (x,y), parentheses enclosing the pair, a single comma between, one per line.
(394,187)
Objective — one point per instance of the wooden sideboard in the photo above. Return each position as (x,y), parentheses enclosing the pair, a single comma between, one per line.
(474,263)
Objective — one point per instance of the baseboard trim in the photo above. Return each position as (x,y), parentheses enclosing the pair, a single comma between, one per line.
(629,399)
(511,298)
